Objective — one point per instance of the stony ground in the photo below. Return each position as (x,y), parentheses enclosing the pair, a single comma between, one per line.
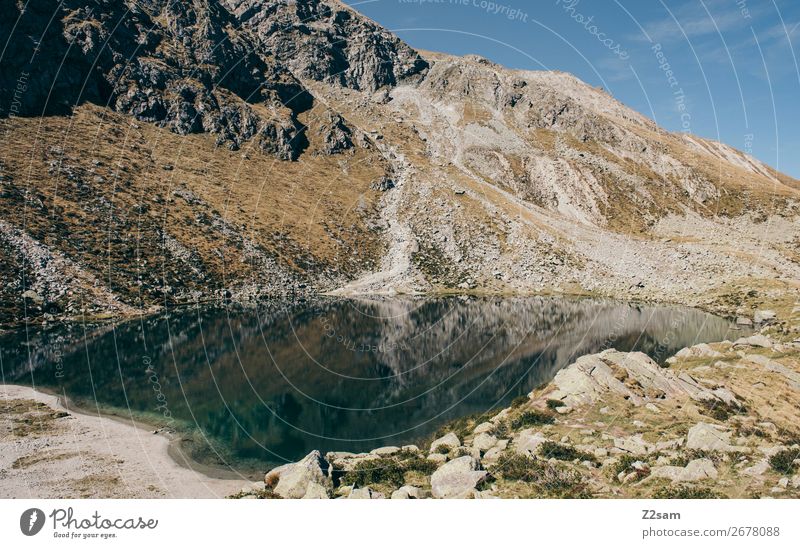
(49,451)
(718,420)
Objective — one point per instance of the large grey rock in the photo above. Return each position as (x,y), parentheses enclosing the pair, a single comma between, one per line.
(527,442)
(448,440)
(764,316)
(484,442)
(592,377)
(696,470)
(306,477)
(409,492)
(458,478)
(634,445)
(364,493)
(709,437)
(755,340)
(698,351)
(385,451)
(484,428)
(757,470)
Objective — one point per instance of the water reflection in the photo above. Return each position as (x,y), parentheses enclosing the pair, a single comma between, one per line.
(272,384)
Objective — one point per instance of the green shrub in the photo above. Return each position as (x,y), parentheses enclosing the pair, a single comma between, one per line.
(259,494)
(686,492)
(516,467)
(532,418)
(420,464)
(373,472)
(783,462)
(555,404)
(720,410)
(519,401)
(387,471)
(547,479)
(553,450)
(625,464)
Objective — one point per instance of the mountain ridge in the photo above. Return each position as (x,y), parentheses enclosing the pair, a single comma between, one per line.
(254,149)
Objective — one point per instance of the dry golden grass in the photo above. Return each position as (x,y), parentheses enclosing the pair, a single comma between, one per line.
(231,210)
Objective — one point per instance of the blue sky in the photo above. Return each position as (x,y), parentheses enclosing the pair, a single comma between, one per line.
(734,63)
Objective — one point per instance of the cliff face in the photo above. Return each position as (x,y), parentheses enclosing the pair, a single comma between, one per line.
(328,42)
(181,65)
(252,148)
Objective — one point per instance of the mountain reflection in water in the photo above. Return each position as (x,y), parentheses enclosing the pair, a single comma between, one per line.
(266,386)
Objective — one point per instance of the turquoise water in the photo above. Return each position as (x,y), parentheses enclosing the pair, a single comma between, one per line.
(259,387)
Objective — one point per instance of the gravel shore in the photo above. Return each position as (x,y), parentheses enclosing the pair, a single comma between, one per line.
(50,451)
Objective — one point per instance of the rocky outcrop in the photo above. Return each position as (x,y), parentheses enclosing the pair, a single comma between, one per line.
(696,470)
(632,375)
(182,65)
(709,437)
(307,479)
(459,478)
(328,42)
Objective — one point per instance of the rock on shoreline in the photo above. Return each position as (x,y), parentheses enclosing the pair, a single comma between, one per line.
(610,425)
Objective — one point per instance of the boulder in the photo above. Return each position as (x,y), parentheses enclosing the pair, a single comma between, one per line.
(295,480)
(696,470)
(315,491)
(365,493)
(385,451)
(484,442)
(527,442)
(632,375)
(438,458)
(409,492)
(698,351)
(709,437)
(764,316)
(746,322)
(757,470)
(458,478)
(634,445)
(448,440)
(484,428)
(755,340)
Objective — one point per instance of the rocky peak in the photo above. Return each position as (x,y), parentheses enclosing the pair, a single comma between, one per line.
(327,41)
(182,65)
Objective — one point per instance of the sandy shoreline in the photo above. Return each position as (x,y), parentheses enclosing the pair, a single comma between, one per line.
(49,451)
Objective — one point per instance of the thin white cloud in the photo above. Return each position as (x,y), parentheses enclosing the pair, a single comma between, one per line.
(695,22)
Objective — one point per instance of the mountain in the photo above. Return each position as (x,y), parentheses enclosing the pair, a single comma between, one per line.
(158,153)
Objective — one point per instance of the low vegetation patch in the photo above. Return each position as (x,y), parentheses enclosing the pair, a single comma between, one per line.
(547,479)
(532,418)
(555,404)
(387,471)
(720,410)
(686,492)
(783,462)
(373,472)
(625,465)
(519,401)
(553,450)
(259,494)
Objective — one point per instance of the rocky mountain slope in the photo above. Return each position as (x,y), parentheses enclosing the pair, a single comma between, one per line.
(611,425)
(168,152)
